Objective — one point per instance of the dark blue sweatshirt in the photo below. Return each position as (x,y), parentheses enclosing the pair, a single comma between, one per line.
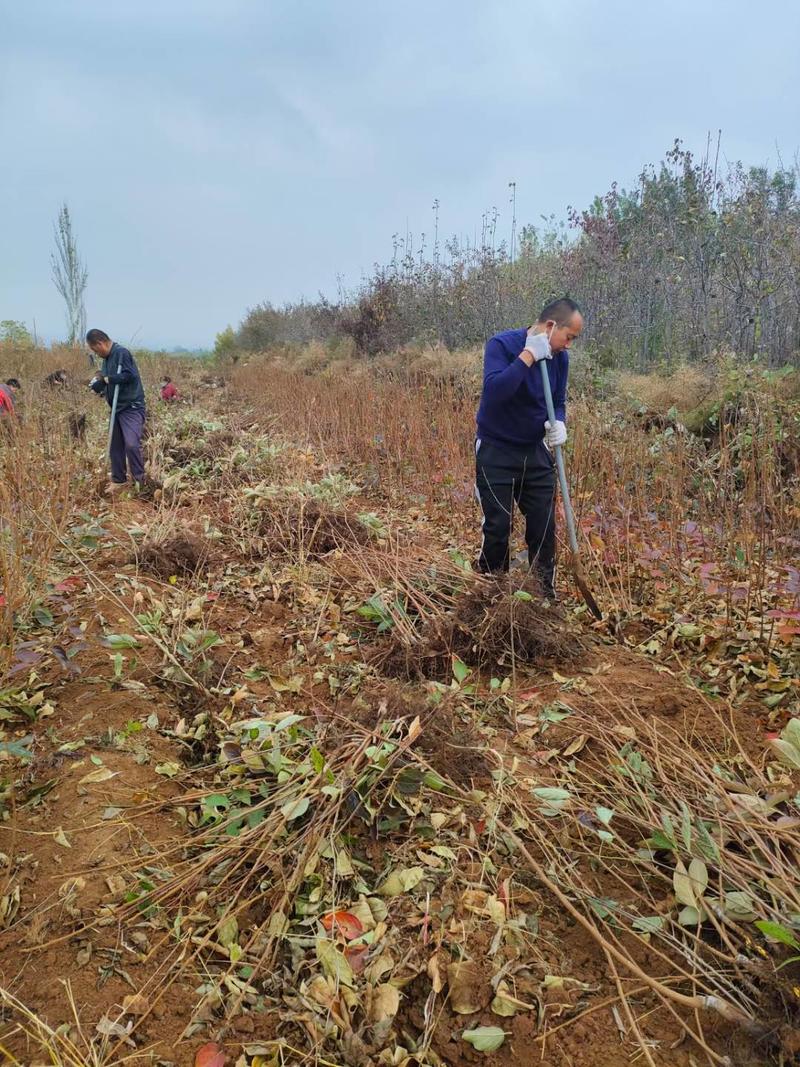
(512,410)
(131,391)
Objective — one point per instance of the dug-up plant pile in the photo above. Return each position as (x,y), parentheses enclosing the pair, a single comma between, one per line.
(496,620)
(178,553)
(208,447)
(355,903)
(303,528)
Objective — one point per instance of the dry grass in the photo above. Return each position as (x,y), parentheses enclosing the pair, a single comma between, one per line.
(634,491)
(576,813)
(683,388)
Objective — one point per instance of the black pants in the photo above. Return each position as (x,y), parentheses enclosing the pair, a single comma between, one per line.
(527,478)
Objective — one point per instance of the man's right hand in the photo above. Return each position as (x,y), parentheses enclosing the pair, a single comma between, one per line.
(537,347)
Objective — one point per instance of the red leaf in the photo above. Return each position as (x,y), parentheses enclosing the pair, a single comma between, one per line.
(528,694)
(356,956)
(210,1055)
(347,924)
(73,582)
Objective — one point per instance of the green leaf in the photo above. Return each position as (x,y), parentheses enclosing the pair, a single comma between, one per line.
(460,670)
(401,881)
(120,641)
(604,815)
(791,733)
(553,798)
(485,1038)
(691,916)
(686,827)
(739,905)
(317,760)
(660,840)
(690,885)
(17,749)
(43,615)
(228,930)
(334,964)
(169,769)
(295,808)
(287,721)
(777,932)
(706,843)
(648,924)
(523,595)
(786,752)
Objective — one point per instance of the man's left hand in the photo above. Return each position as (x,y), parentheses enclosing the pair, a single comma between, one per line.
(555,433)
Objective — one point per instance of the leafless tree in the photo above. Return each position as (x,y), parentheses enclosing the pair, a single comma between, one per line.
(70,276)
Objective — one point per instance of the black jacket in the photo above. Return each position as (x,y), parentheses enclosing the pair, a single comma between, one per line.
(120,368)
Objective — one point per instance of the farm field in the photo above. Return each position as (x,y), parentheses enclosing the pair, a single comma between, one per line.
(284,781)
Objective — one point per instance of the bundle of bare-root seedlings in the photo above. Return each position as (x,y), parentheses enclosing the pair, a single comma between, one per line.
(676,883)
(431,608)
(289,524)
(684,870)
(170,549)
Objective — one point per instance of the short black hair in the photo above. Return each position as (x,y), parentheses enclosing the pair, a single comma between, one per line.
(93,336)
(13,382)
(560,311)
(166,378)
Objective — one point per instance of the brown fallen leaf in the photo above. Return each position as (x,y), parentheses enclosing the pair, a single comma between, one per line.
(102,774)
(135,1004)
(470,992)
(384,1002)
(434,973)
(115,883)
(575,746)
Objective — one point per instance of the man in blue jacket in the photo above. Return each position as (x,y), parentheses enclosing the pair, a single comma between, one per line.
(513,449)
(119,369)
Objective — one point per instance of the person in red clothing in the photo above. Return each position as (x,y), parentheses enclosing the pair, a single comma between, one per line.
(7,391)
(168,391)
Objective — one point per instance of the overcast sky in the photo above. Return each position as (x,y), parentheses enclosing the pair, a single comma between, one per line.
(217,153)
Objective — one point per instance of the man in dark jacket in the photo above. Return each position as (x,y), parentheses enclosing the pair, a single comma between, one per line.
(513,449)
(119,369)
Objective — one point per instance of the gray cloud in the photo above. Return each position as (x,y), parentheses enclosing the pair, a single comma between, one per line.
(217,154)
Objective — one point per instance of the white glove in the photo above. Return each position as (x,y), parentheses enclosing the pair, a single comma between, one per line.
(538,346)
(555,434)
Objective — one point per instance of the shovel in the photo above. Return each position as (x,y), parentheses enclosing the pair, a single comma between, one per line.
(113,413)
(577,569)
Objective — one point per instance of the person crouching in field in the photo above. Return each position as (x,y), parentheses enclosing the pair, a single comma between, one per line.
(119,369)
(8,390)
(513,448)
(169,393)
